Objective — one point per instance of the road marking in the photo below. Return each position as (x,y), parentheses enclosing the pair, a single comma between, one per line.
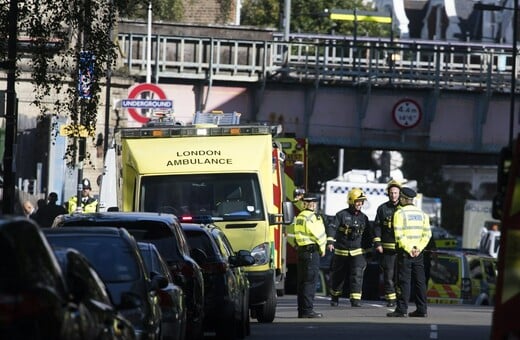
(433,332)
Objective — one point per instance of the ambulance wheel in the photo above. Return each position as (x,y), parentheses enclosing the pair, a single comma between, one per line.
(266,312)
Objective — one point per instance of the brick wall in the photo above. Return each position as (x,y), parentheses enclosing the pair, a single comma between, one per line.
(208,11)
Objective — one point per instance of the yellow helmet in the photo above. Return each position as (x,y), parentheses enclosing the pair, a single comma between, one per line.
(356,194)
(393,183)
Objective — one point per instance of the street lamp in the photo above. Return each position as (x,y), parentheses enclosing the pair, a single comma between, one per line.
(514,53)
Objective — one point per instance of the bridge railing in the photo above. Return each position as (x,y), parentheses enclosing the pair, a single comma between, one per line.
(324,59)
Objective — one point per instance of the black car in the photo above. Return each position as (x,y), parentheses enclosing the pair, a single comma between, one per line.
(171,297)
(165,232)
(225,283)
(115,256)
(90,291)
(35,301)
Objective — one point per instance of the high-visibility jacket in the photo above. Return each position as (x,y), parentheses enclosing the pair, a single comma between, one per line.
(309,229)
(89,206)
(411,228)
(383,228)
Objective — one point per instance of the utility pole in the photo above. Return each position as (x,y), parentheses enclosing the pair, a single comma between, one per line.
(514,54)
(108,89)
(11,120)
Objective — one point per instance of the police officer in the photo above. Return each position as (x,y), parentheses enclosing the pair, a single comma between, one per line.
(309,240)
(384,239)
(345,236)
(412,234)
(88,203)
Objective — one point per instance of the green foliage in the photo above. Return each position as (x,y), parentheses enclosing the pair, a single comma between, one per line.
(225,10)
(261,13)
(76,26)
(309,16)
(167,10)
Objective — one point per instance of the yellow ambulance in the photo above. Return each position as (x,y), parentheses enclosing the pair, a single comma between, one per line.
(461,277)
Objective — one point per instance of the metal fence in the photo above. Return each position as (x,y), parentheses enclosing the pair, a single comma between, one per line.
(324,59)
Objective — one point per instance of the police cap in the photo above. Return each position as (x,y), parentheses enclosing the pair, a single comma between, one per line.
(86,183)
(408,192)
(310,198)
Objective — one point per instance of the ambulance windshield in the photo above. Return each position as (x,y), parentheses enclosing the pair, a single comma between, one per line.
(226,196)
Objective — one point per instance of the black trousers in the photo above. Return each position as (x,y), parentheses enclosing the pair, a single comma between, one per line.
(341,265)
(308,274)
(410,269)
(387,262)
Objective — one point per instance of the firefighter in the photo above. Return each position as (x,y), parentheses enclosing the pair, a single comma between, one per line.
(345,240)
(384,239)
(412,234)
(88,203)
(309,241)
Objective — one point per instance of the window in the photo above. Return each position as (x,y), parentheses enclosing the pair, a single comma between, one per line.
(445,270)
(229,196)
(111,257)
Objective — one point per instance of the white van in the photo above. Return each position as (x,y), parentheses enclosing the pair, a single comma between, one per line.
(490,243)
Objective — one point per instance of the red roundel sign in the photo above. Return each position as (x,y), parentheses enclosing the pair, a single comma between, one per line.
(406,113)
(135,102)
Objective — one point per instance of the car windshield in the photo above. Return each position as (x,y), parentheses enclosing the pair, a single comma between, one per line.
(225,196)
(111,257)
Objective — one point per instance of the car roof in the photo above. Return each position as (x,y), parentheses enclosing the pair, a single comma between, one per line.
(119,216)
(461,252)
(110,231)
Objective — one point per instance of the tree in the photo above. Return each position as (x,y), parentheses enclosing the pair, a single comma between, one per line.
(309,16)
(167,10)
(69,42)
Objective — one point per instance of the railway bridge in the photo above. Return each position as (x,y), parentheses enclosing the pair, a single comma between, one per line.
(347,91)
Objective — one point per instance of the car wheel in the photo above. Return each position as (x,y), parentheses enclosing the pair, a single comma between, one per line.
(248,321)
(266,312)
(242,324)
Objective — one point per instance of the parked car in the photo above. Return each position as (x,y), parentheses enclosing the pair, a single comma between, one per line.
(171,297)
(35,301)
(90,291)
(115,256)
(165,232)
(225,283)
(461,276)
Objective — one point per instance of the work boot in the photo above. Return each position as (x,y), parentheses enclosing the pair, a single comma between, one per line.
(390,303)
(355,303)
(334,301)
(417,314)
(310,315)
(396,314)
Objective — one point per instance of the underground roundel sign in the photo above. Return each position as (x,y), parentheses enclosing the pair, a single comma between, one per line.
(156,101)
(406,113)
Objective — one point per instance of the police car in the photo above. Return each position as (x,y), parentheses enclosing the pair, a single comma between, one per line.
(461,277)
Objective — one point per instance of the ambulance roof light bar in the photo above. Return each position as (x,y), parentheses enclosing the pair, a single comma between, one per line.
(217,118)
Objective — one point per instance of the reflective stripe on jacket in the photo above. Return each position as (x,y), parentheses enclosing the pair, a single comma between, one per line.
(411,228)
(383,228)
(309,229)
(89,206)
